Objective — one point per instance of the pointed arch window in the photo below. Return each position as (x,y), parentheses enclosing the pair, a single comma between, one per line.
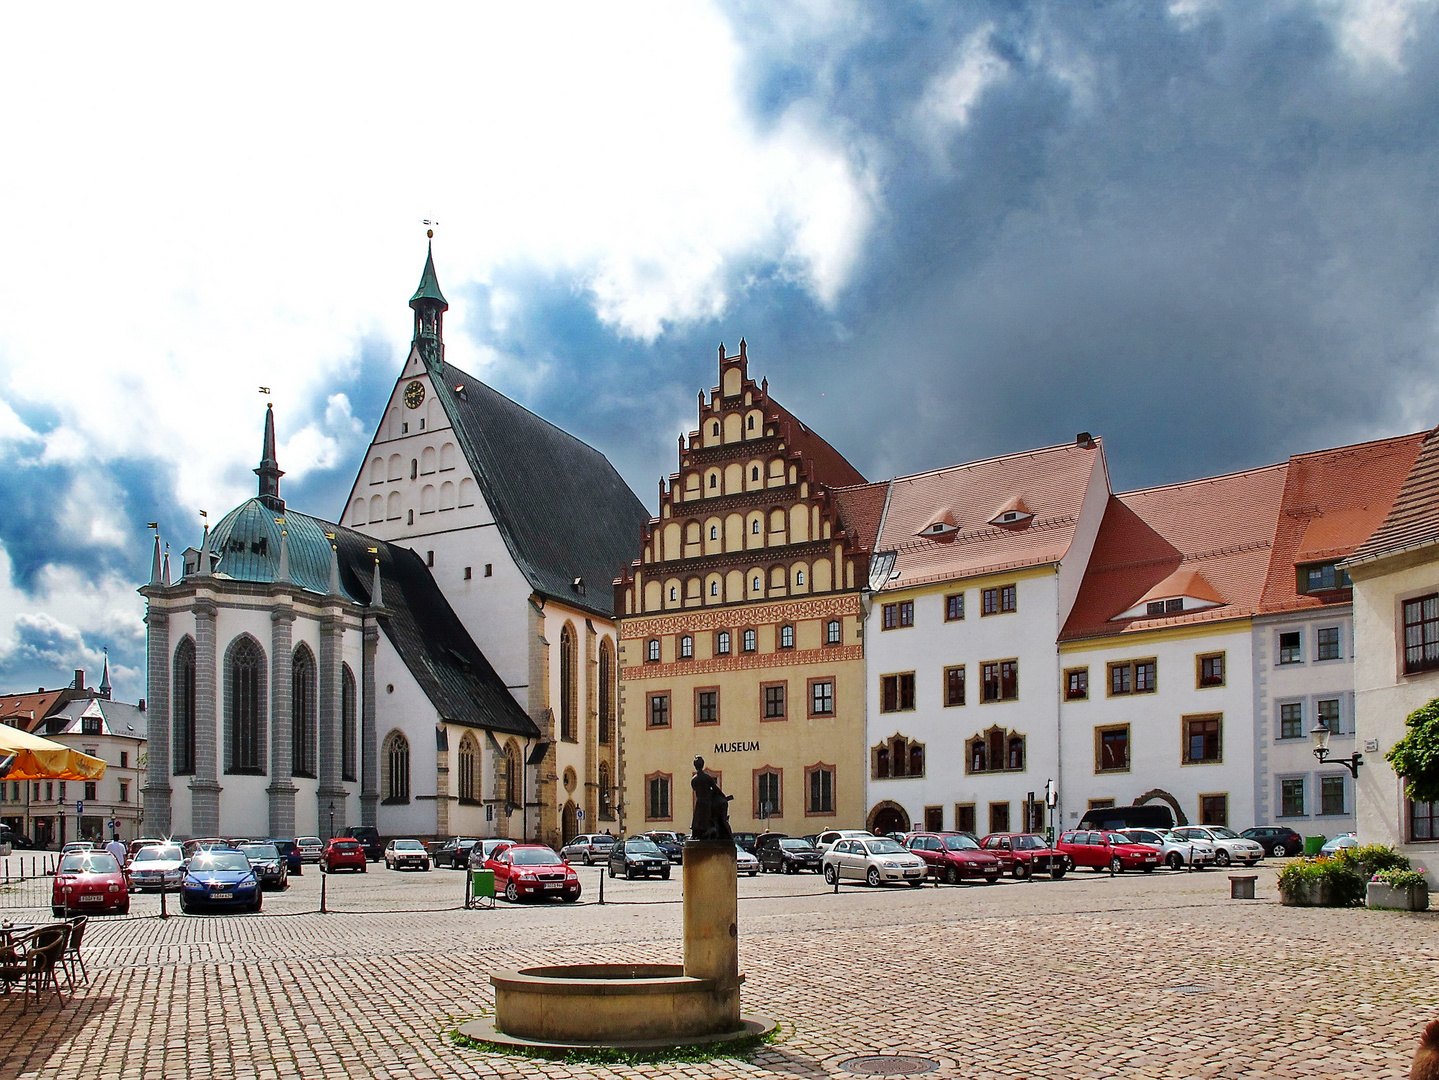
(509,777)
(183,708)
(603,783)
(568,685)
(606,691)
(395,759)
(469,769)
(304,733)
(245,707)
(349,726)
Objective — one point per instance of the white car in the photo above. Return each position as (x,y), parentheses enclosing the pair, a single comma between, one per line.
(156,866)
(1229,846)
(825,840)
(873,859)
(1343,840)
(1176,853)
(744,862)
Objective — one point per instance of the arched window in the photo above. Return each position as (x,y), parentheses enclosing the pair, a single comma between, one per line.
(751,423)
(749,641)
(303,728)
(714,479)
(606,690)
(714,532)
(469,769)
(978,758)
(715,429)
(652,651)
(349,728)
(722,643)
(754,526)
(833,633)
(395,759)
(786,636)
(510,775)
(182,709)
(687,647)
(245,707)
(754,473)
(714,588)
(568,685)
(1016,753)
(603,784)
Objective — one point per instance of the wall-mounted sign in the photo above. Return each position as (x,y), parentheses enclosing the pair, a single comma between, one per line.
(735,747)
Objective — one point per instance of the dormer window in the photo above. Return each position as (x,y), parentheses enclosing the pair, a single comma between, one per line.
(1321,577)
(1171,606)
(942,525)
(940,528)
(1012,515)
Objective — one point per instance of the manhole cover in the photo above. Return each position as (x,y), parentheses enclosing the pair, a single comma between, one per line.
(1191,989)
(888,1065)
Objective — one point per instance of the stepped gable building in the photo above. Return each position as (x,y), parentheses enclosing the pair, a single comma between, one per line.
(304,677)
(977,567)
(740,624)
(522,527)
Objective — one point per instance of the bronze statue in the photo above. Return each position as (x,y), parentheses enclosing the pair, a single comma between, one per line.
(711,818)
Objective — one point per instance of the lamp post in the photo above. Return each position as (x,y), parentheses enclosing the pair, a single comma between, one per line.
(1320,734)
(332,819)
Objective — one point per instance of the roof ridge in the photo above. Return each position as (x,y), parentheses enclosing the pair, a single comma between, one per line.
(1206,479)
(994,458)
(1359,445)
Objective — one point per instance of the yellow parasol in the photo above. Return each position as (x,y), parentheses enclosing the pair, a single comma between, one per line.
(42,759)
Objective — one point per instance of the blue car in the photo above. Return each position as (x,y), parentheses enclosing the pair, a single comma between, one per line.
(219,878)
(291,851)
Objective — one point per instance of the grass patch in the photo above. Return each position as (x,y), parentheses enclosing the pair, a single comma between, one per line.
(604,1055)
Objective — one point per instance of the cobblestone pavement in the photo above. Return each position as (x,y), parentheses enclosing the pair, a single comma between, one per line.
(1158,975)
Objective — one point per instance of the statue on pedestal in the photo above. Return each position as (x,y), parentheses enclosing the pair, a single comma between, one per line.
(711,817)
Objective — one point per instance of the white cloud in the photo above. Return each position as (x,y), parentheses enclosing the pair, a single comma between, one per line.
(1373,33)
(951,95)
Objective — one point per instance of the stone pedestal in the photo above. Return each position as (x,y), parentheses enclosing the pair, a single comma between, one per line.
(711,910)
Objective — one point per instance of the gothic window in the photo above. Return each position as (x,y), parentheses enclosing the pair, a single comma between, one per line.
(395,760)
(603,783)
(896,757)
(349,728)
(568,687)
(245,707)
(303,733)
(722,643)
(183,707)
(469,769)
(833,632)
(606,691)
(754,472)
(995,750)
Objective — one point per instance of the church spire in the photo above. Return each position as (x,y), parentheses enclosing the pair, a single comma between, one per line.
(429,305)
(269,471)
(105,678)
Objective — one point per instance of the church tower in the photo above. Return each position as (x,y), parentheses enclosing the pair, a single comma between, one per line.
(430,305)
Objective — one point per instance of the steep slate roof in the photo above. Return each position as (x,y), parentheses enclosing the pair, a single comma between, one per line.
(1414,520)
(120,718)
(1222,527)
(1333,500)
(830,467)
(563,510)
(1051,481)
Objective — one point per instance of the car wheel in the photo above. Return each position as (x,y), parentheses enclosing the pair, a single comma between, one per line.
(184,907)
(258,905)
(1020,871)
(1055,875)
(951,875)
(629,873)
(1221,857)
(1175,861)
(57,912)
(1279,851)
(1146,869)
(990,879)
(512,892)
(365,869)
(612,869)
(752,873)
(830,876)
(872,878)
(1116,865)
(570,898)
(665,874)
(589,861)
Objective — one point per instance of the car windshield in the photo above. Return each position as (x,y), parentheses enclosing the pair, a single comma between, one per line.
(883,847)
(1223,833)
(158,854)
(219,860)
(1028,843)
(308,841)
(89,862)
(409,845)
(960,843)
(742,853)
(1117,838)
(642,847)
(665,837)
(260,851)
(535,857)
(346,846)
(602,841)
(796,845)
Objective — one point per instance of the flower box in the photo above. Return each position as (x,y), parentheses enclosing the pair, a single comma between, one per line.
(1410,898)
(1309,894)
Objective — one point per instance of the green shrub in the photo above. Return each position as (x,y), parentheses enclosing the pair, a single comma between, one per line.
(1369,859)
(1401,879)
(1346,884)
(1416,756)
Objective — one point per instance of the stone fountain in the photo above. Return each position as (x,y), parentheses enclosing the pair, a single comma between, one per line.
(644,1005)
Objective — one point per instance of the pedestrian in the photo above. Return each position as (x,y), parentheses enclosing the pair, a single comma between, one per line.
(117,849)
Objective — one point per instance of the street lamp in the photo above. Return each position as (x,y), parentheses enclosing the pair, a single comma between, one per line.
(332,819)
(1320,734)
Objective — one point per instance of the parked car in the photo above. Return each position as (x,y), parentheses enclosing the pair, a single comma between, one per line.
(638,857)
(668,842)
(1229,846)
(204,843)
(744,862)
(746,840)
(1154,816)
(1343,840)
(344,854)
(1173,852)
(1275,840)
(481,853)
(825,840)
(534,871)
(135,845)
(588,848)
(89,881)
(156,866)
(406,855)
(787,854)
(269,865)
(312,848)
(874,860)
(455,852)
(369,839)
(1023,854)
(294,858)
(952,857)
(219,877)
(17,841)
(1108,851)
(75,847)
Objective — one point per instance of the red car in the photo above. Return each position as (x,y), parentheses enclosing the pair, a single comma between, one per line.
(344,854)
(89,881)
(951,857)
(1022,854)
(1108,851)
(532,870)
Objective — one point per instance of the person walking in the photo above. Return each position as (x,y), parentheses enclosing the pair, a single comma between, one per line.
(117,849)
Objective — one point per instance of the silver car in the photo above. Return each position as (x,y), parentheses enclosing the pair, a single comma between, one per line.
(744,862)
(825,840)
(1176,853)
(588,848)
(311,848)
(874,860)
(1229,846)
(156,866)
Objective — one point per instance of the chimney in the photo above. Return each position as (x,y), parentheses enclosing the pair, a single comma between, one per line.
(142,705)
(1084,439)
(79,678)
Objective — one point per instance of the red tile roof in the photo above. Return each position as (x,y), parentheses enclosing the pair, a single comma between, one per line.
(1051,482)
(860,510)
(1333,500)
(830,466)
(1414,519)
(24,710)
(1221,527)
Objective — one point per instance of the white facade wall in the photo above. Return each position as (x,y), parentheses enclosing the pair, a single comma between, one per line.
(401,705)
(1281,755)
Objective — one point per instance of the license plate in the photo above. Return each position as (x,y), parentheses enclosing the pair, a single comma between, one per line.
(91,899)
(555,885)
(222,896)
(913,873)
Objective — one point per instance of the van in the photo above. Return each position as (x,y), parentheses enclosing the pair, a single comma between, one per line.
(1154,816)
(368,837)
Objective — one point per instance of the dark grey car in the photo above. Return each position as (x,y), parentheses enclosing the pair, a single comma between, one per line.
(271,868)
(638,857)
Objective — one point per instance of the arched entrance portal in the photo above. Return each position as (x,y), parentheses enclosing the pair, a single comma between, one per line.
(888,817)
(569,823)
(1159,795)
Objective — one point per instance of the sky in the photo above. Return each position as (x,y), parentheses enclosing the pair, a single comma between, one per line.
(1204,231)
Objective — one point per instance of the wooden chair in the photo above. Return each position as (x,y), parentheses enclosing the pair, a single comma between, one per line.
(71,958)
(36,956)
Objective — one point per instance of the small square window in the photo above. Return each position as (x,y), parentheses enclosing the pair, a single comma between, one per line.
(1154,607)
(1203,740)
(1331,795)
(1008,598)
(1211,670)
(1289,648)
(773,695)
(659,712)
(821,697)
(1291,797)
(954,607)
(468,574)
(489,569)
(1291,720)
(1327,713)
(999,680)
(707,706)
(954,686)
(1174,605)
(1327,643)
(1076,684)
(1214,810)
(1111,749)
(896,692)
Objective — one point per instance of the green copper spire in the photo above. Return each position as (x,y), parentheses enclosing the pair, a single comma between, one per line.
(429,285)
(430,306)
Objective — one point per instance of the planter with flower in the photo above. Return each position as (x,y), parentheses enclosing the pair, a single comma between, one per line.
(1400,890)
(1321,882)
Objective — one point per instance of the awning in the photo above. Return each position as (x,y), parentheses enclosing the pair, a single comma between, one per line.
(42,759)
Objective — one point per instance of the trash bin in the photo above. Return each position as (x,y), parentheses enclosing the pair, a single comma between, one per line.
(1313,845)
(482,889)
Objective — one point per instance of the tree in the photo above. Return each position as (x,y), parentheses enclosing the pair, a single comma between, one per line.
(1416,756)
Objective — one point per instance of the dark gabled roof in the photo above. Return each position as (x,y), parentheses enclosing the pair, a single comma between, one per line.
(120,718)
(563,510)
(1413,521)
(428,635)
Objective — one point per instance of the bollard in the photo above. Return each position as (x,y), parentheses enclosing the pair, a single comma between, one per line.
(164,914)
(324,877)
(602,886)
(1241,887)
(836,881)
(467,889)
(1191,858)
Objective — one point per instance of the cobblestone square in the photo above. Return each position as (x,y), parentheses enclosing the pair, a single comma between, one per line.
(1156,975)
